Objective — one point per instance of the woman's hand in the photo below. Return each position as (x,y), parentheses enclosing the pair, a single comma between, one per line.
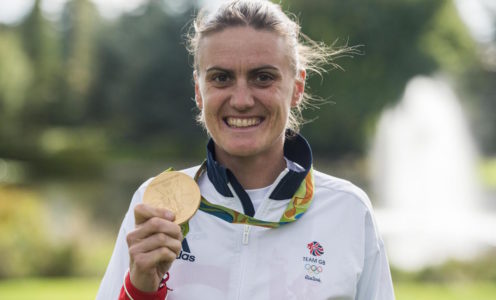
(153,246)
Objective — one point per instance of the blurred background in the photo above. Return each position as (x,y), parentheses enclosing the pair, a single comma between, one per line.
(96,96)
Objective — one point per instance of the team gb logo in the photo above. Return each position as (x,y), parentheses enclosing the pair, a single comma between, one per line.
(315,248)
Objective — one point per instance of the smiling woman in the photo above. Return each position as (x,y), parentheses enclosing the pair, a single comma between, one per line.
(245,87)
(269,226)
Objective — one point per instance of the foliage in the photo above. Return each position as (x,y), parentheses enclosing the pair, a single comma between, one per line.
(400,39)
(41,97)
(487,170)
(481,269)
(34,243)
(480,88)
(26,247)
(131,78)
(15,77)
(147,92)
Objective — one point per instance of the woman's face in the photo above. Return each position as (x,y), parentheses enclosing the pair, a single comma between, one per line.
(245,87)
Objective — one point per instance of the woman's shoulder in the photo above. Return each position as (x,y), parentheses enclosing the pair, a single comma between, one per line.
(340,187)
(191,171)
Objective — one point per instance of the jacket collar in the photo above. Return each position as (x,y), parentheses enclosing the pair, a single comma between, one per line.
(296,149)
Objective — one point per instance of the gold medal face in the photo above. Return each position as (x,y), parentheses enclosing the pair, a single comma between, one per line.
(176,192)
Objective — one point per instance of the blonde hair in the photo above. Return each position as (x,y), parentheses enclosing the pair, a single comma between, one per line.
(308,55)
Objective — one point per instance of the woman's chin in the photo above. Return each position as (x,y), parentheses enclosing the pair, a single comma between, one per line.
(241,150)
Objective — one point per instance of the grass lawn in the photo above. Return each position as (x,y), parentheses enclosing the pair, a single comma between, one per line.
(49,289)
(458,291)
(85,289)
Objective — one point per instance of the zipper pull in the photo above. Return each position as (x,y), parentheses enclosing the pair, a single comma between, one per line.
(246,234)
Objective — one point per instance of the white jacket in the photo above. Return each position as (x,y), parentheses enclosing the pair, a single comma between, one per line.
(221,260)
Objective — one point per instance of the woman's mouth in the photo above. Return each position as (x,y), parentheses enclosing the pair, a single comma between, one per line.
(242,122)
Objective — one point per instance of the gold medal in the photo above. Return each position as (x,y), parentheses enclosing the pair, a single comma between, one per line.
(176,192)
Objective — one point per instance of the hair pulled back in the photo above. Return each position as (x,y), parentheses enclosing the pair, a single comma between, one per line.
(308,55)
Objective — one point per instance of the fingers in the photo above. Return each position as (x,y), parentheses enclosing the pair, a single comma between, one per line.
(143,212)
(143,262)
(156,241)
(153,247)
(152,252)
(153,226)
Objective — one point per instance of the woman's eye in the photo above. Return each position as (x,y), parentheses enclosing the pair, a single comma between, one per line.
(264,78)
(220,78)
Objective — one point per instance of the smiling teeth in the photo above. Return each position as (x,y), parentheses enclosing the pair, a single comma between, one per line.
(243,122)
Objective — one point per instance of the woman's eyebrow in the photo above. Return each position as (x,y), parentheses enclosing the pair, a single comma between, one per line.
(219,69)
(265,67)
(254,70)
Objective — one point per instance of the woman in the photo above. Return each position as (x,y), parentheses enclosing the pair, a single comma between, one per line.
(316,237)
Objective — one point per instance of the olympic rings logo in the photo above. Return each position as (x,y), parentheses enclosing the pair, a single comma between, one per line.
(313,269)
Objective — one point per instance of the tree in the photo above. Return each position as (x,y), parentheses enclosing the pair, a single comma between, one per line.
(400,39)
(42,48)
(15,78)
(145,90)
(80,24)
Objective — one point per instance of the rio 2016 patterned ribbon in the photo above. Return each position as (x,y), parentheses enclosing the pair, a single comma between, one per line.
(296,207)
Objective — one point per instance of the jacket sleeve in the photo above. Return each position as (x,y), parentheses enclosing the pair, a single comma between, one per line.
(129,292)
(375,280)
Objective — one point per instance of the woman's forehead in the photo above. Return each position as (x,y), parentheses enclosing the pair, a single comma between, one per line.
(243,45)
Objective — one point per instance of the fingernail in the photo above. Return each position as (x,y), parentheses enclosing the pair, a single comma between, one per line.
(169,215)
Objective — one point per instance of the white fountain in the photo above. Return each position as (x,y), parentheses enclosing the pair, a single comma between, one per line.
(423,164)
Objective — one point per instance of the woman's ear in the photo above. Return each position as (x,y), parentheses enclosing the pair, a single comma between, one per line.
(198,98)
(299,88)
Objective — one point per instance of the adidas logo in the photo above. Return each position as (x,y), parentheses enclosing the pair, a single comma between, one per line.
(185,253)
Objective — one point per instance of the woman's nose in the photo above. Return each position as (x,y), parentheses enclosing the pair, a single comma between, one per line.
(241,98)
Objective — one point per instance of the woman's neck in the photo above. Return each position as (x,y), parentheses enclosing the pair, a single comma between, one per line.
(254,172)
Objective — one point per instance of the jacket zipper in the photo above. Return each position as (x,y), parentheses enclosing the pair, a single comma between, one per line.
(243,258)
(246,234)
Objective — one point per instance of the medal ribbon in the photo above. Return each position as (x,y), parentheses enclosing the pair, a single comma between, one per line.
(296,207)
